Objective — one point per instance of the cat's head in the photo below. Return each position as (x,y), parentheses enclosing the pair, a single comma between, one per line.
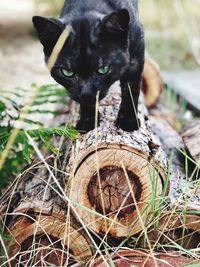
(94,56)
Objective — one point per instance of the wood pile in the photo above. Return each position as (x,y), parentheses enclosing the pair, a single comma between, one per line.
(106,187)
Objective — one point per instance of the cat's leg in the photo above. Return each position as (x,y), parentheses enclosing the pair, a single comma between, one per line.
(127,117)
(87,120)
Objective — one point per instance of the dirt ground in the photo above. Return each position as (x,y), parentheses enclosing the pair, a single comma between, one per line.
(21,57)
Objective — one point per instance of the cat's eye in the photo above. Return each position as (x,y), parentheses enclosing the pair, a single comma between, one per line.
(67,73)
(103,70)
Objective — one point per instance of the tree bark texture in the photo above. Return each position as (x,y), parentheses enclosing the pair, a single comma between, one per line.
(191,139)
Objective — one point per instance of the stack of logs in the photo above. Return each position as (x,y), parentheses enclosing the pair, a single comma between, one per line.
(108,186)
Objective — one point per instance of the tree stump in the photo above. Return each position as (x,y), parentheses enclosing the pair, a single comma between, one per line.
(116,176)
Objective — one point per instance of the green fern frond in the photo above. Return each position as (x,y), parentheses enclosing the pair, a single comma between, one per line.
(41,102)
(41,134)
(12,106)
(33,122)
(43,111)
(19,93)
(66,131)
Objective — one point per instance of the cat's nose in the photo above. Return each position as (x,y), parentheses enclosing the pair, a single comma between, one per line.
(86,94)
(86,97)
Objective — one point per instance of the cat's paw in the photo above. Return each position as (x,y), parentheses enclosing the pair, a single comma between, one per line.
(127,123)
(86,124)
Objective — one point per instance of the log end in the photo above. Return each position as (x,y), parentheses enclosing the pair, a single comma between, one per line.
(152,85)
(44,238)
(115,190)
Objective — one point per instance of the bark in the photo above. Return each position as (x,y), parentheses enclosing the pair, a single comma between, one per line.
(191,139)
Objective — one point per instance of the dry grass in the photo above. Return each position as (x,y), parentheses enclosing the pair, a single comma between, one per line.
(157,235)
(166,239)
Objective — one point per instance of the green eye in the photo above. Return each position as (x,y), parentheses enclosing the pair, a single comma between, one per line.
(104,70)
(67,73)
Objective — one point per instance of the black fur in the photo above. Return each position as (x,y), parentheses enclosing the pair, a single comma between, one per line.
(105,32)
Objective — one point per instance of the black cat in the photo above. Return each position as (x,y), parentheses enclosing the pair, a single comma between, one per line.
(106,44)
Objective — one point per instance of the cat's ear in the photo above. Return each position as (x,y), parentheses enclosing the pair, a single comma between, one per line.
(117,22)
(48,30)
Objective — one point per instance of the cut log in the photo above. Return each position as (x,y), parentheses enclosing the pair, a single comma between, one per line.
(162,113)
(183,229)
(184,190)
(36,215)
(116,175)
(42,238)
(152,85)
(40,224)
(191,139)
(173,229)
